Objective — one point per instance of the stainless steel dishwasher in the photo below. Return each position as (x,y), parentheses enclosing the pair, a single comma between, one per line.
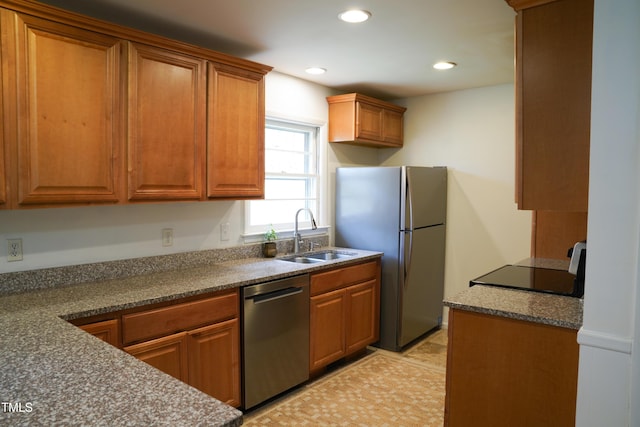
(275,353)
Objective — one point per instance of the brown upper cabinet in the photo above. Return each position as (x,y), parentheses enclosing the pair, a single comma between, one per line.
(235,142)
(361,120)
(553,103)
(96,113)
(65,124)
(167,128)
(3,173)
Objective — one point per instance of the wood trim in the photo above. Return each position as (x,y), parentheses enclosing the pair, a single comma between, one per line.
(115,30)
(3,166)
(525,4)
(358,97)
(553,233)
(519,116)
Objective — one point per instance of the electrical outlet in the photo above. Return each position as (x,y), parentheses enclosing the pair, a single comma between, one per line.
(167,237)
(14,250)
(224,231)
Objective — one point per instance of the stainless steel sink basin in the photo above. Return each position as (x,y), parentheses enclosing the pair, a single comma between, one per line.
(328,256)
(300,259)
(317,257)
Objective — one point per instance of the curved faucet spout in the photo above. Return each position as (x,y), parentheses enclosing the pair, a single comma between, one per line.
(297,239)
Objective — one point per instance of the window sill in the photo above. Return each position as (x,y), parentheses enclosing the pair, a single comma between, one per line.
(285,234)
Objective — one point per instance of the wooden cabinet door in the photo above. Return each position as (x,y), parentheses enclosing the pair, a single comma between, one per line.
(553,105)
(63,111)
(235,142)
(392,127)
(361,120)
(327,328)
(168,354)
(214,361)
(368,121)
(362,318)
(508,372)
(3,172)
(107,330)
(167,128)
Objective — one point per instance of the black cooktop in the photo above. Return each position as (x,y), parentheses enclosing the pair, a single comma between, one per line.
(537,279)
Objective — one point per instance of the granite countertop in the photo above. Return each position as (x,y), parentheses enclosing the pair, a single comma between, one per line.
(53,373)
(548,309)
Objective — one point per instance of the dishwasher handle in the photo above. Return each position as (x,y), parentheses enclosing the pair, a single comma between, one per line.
(275,295)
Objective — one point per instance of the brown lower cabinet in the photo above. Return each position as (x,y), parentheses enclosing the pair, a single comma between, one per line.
(107,330)
(507,372)
(196,341)
(206,358)
(345,312)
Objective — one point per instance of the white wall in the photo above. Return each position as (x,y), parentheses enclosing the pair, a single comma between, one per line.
(69,236)
(471,132)
(609,373)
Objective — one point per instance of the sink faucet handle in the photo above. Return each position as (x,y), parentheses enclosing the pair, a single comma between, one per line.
(313,244)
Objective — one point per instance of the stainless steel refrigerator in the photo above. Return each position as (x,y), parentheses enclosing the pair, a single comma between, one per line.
(400,211)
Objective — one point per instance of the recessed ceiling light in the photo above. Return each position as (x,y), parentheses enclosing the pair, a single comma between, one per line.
(354,16)
(444,65)
(316,70)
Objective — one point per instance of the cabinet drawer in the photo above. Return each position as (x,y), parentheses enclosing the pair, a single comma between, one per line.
(339,278)
(180,317)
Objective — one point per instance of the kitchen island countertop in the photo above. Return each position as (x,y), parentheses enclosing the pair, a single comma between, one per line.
(53,373)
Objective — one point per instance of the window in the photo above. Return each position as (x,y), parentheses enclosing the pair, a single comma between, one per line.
(291,178)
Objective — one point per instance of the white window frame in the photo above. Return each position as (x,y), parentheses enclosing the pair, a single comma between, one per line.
(255,232)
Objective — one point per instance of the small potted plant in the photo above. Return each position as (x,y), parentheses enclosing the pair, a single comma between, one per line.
(269,248)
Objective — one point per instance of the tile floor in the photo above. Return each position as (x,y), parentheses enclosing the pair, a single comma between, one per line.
(382,388)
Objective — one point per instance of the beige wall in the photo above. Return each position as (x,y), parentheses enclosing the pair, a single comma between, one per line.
(471,132)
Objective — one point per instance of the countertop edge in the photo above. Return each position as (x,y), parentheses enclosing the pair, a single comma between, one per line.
(535,307)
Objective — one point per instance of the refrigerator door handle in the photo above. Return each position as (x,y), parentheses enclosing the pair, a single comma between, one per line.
(409,202)
(407,259)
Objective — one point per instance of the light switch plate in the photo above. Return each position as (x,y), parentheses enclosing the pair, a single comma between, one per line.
(167,237)
(224,231)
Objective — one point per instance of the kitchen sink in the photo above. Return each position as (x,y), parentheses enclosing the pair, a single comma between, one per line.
(300,259)
(329,255)
(317,257)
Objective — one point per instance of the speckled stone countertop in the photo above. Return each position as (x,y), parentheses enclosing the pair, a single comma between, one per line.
(53,373)
(548,309)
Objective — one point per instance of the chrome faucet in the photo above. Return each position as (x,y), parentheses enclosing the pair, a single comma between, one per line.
(297,239)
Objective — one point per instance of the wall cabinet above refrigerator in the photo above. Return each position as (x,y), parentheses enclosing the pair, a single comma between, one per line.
(361,120)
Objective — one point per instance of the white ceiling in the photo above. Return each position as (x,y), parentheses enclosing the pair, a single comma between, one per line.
(390,56)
